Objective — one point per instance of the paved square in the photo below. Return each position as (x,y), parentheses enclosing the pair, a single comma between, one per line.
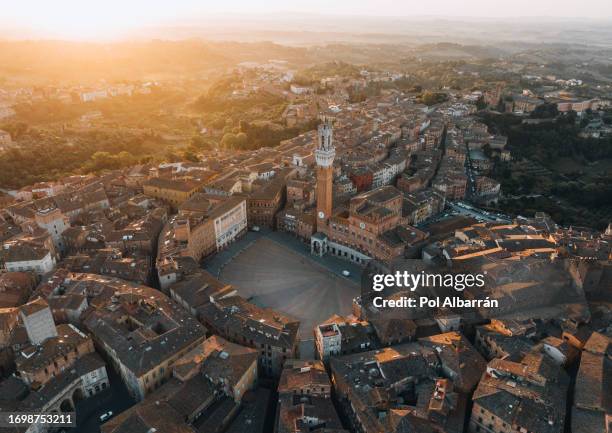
(271,275)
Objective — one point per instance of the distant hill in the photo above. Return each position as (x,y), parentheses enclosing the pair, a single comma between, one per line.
(83,61)
(446,50)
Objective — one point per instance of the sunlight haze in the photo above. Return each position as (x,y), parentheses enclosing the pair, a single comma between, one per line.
(66,19)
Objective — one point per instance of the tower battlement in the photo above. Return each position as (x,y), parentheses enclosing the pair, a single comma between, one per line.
(325,152)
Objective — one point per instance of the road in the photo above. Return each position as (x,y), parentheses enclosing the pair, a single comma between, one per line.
(477,213)
(116,399)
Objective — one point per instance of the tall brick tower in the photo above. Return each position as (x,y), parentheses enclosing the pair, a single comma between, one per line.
(324,156)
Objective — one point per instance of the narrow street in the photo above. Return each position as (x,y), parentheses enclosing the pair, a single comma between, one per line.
(115,399)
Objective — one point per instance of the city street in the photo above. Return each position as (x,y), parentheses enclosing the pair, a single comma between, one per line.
(477,213)
(116,399)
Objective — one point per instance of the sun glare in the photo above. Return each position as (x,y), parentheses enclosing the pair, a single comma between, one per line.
(110,19)
(91,20)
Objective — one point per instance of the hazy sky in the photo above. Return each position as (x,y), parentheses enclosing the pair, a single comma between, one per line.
(110,18)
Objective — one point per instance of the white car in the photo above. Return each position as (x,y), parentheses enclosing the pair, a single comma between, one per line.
(255,228)
(346,273)
(105,416)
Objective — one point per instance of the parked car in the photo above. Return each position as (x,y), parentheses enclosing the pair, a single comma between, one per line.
(346,273)
(255,228)
(105,416)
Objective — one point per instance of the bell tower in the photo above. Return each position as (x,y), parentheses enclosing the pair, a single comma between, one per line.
(324,156)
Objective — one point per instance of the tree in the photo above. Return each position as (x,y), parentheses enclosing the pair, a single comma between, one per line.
(545,111)
(228,141)
(146,159)
(487,150)
(16,129)
(103,161)
(481,104)
(218,123)
(198,142)
(243,126)
(241,140)
(189,155)
(126,159)
(172,157)
(432,98)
